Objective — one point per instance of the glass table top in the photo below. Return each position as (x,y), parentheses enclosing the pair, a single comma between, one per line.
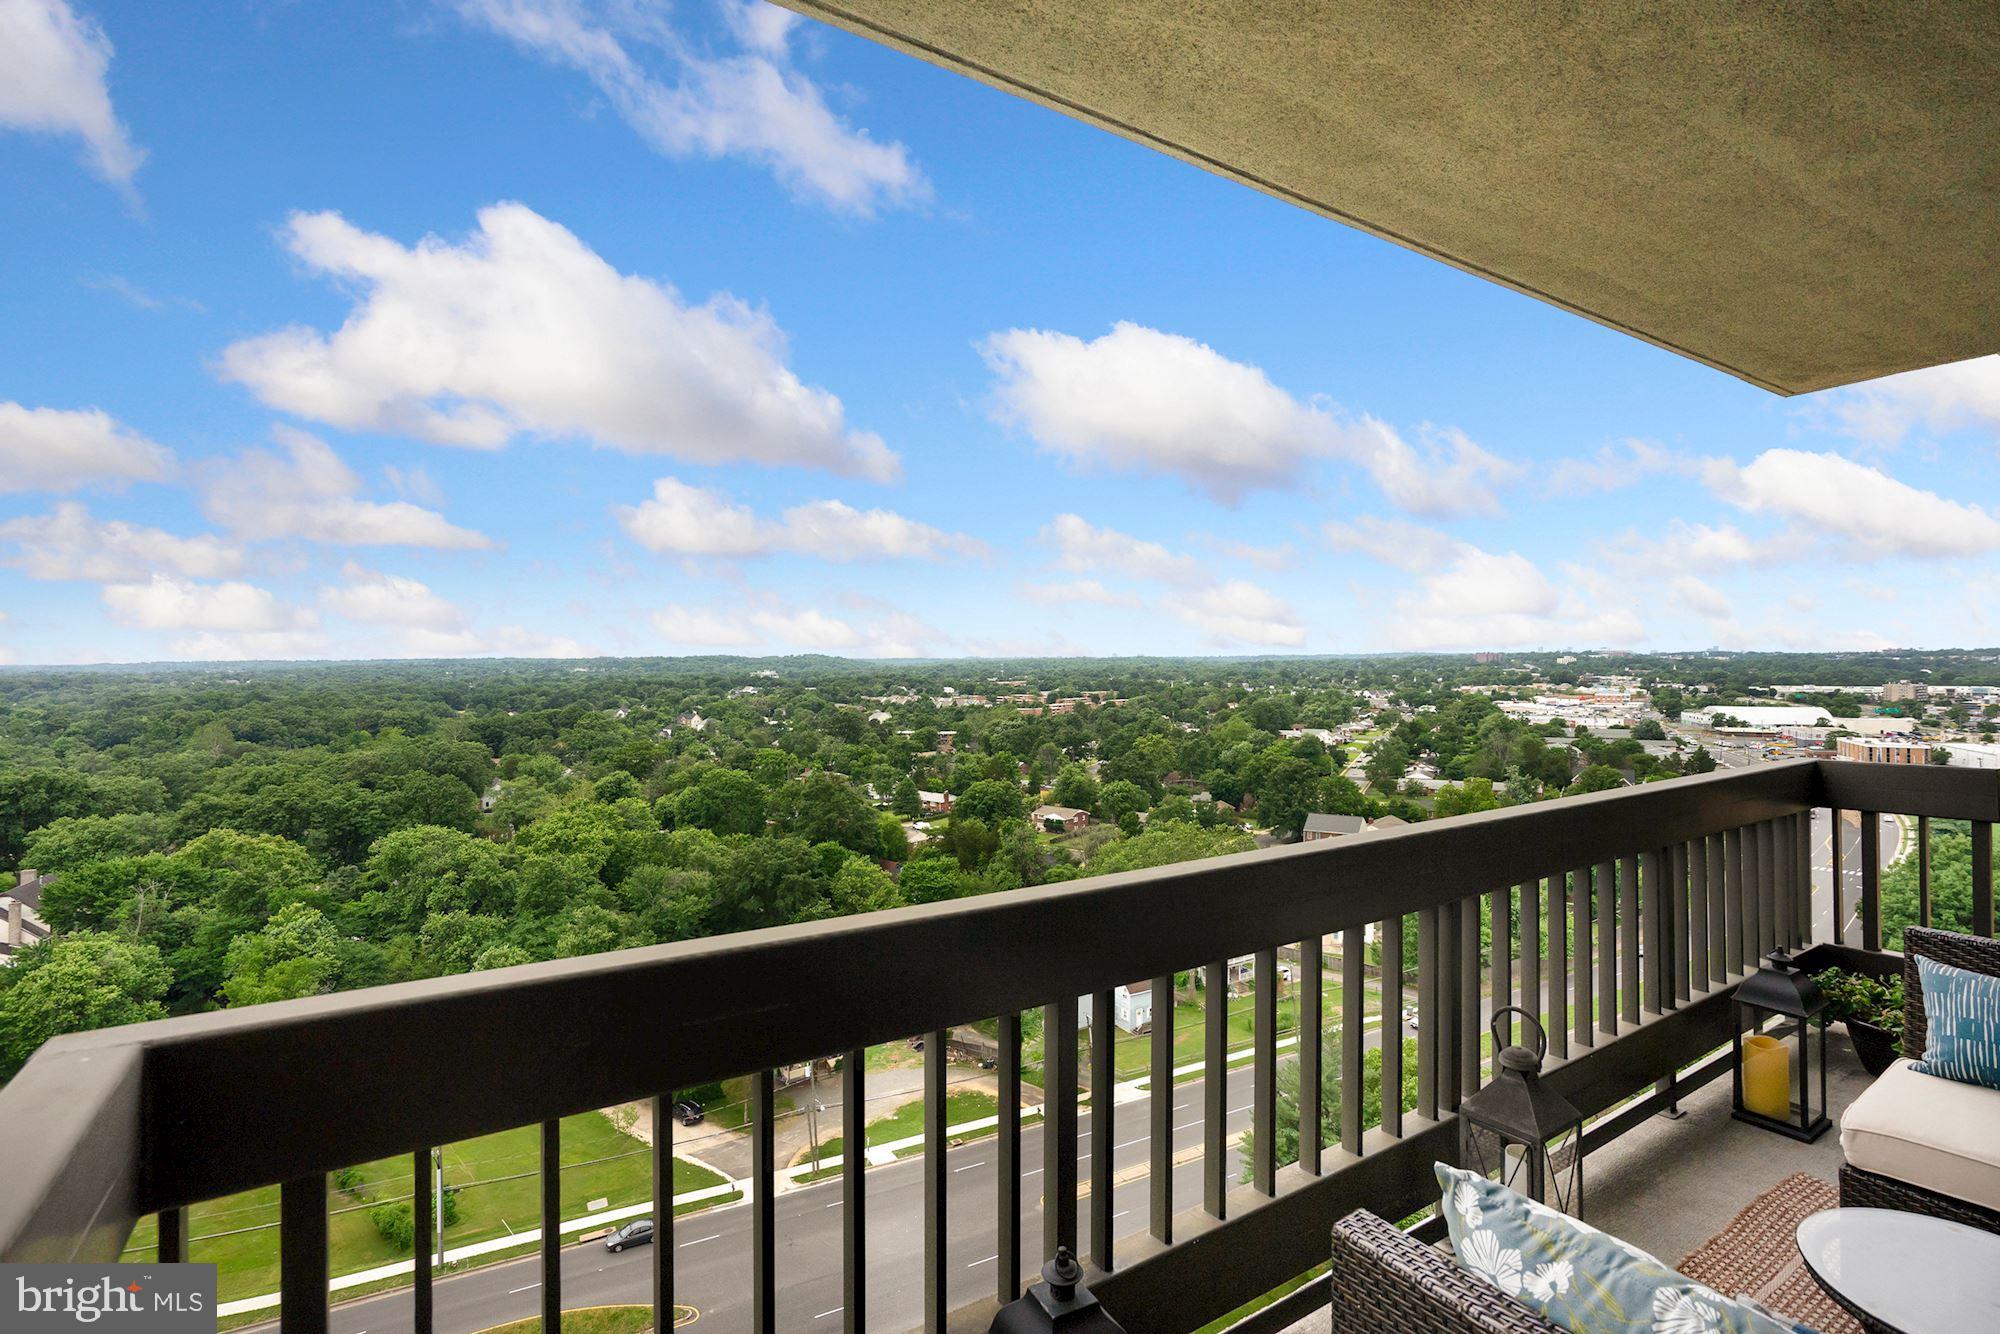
(1910,1272)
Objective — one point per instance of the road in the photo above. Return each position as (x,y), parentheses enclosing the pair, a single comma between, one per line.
(1850,855)
(712,1258)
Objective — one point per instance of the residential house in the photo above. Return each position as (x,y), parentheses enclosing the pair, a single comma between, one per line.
(1061,819)
(1320,826)
(934,803)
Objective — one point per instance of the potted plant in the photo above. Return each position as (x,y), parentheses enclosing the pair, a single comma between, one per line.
(1872,1009)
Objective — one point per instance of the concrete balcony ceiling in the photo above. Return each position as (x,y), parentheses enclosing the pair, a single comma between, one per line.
(1800,195)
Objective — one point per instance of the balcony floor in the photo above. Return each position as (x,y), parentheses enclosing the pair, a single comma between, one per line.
(1668,1186)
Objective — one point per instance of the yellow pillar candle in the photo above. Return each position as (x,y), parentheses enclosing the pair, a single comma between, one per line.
(1767,1077)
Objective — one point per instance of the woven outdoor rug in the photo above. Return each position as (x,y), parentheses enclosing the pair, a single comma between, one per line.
(1757,1255)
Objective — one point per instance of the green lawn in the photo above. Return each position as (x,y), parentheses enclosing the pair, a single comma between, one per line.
(907,1120)
(499,1193)
(1132,1056)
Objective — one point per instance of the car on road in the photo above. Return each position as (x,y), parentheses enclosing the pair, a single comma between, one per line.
(1410,1015)
(638,1232)
(688,1112)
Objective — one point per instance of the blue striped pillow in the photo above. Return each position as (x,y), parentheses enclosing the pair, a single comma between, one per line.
(1961,1022)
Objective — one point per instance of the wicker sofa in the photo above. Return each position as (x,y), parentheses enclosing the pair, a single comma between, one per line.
(1385,1281)
(1910,1135)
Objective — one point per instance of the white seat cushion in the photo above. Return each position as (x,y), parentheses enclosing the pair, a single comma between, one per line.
(1935,1133)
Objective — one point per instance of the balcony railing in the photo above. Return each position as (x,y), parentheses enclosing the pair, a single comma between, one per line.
(1657,900)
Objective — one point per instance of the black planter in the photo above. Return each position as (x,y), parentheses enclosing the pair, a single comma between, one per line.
(1875,1046)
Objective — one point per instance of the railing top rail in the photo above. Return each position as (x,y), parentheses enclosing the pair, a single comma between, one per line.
(350,1077)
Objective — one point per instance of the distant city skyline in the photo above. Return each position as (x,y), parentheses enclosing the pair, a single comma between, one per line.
(543,327)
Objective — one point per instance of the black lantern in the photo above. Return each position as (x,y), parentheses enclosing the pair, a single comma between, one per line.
(1775,1061)
(1520,1131)
(1059,1304)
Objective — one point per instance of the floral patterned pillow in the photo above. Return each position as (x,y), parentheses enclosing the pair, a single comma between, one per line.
(1576,1277)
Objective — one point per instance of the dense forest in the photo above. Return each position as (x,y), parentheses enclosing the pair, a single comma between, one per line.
(228,835)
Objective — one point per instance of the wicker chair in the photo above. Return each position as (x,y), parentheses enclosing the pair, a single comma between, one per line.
(1385,1281)
(1862,1189)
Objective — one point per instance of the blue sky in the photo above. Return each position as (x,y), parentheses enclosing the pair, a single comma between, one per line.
(542,326)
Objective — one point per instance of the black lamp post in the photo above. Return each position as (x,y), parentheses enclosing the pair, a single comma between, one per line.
(1775,1075)
(1520,1131)
(1059,1304)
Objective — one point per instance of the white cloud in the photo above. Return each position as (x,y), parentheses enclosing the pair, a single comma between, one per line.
(375,598)
(119,285)
(524,329)
(1228,612)
(1239,612)
(52,68)
(311,495)
(754,103)
(770,624)
(1279,557)
(1397,542)
(169,602)
(1943,398)
(1138,399)
(1084,548)
(211,646)
(689,520)
(700,626)
(1488,600)
(1447,473)
(1080,590)
(1701,597)
(68,543)
(54,449)
(422,623)
(1872,513)
(1612,468)
(1700,546)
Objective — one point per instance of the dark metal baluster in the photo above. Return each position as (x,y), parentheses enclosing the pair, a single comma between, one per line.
(1160,1092)
(1500,928)
(1720,960)
(1581,993)
(1767,890)
(1839,861)
(1754,926)
(1802,906)
(1444,1024)
(1470,1029)
(1605,879)
(1264,1074)
(1652,939)
(1103,1081)
(1982,878)
(1871,880)
(1531,951)
(1392,1026)
(764,1201)
(1558,965)
(1059,1180)
(1923,870)
(302,1255)
(854,1168)
(423,1305)
(1680,926)
(1353,1030)
(1629,986)
(1215,1092)
(663,1212)
(552,1224)
(1735,910)
(1698,915)
(1781,882)
(936,1238)
(1312,1023)
(171,1238)
(1430,1014)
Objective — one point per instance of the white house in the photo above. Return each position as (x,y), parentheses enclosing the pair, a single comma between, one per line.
(1131,1007)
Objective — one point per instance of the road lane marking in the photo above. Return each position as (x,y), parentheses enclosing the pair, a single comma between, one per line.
(969,1166)
(987,1261)
(1244,1108)
(699,1240)
(1025,1175)
(1130,1142)
(530,1287)
(1120,1214)
(824,1314)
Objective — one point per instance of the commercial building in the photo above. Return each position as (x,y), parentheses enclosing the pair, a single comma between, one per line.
(1878,750)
